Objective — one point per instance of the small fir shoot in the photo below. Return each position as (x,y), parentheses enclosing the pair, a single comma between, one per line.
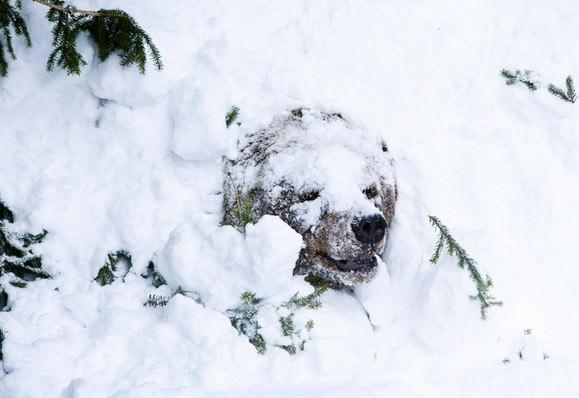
(287,325)
(154,276)
(156,301)
(107,273)
(2,337)
(482,283)
(6,214)
(160,301)
(517,76)
(67,27)
(231,116)
(244,319)
(17,257)
(567,95)
(311,301)
(18,283)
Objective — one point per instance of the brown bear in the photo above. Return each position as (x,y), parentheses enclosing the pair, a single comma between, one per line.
(331,181)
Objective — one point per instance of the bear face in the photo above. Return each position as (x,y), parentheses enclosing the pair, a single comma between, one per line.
(330,181)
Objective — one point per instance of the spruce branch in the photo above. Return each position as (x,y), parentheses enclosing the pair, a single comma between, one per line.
(569,95)
(11,20)
(244,319)
(113,32)
(16,252)
(231,116)
(6,214)
(160,301)
(311,301)
(156,301)
(67,27)
(106,274)
(517,76)
(482,283)
(17,257)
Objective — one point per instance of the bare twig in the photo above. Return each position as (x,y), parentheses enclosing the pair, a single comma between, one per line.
(74,10)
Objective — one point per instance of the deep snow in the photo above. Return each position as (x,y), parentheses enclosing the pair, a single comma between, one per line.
(115,160)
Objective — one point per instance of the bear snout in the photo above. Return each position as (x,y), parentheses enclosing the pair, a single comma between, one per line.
(369,229)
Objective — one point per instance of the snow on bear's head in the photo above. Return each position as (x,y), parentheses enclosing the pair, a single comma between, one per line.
(330,181)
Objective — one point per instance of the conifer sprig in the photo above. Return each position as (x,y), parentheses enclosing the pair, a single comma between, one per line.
(17,258)
(106,274)
(2,337)
(569,95)
(113,31)
(311,301)
(67,27)
(244,319)
(11,20)
(160,301)
(517,76)
(482,283)
(231,116)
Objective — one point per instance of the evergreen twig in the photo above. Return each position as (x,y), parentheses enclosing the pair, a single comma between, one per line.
(11,20)
(113,31)
(569,95)
(241,214)
(311,301)
(67,27)
(482,283)
(244,319)
(2,337)
(17,257)
(160,301)
(517,76)
(106,274)
(231,116)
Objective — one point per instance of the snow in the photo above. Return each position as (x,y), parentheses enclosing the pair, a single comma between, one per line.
(115,160)
(220,263)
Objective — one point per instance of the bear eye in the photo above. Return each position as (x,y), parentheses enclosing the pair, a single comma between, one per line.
(371,192)
(309,196)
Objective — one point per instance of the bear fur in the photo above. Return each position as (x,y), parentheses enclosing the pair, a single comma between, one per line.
(329,180)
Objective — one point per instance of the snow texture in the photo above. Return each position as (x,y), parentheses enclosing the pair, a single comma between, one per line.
(116,160)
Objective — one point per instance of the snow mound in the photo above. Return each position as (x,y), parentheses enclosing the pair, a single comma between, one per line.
(220,263)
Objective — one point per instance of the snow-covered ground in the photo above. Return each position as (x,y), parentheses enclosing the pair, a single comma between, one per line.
(116,160)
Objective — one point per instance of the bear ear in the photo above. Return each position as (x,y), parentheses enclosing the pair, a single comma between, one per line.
(383,146)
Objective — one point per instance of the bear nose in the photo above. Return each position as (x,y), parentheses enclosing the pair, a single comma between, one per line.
(369,229)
